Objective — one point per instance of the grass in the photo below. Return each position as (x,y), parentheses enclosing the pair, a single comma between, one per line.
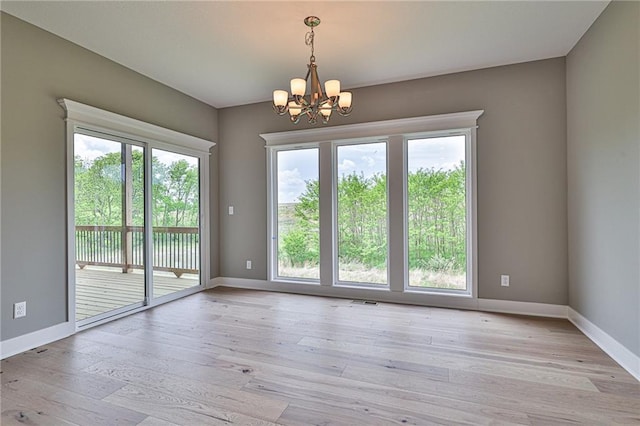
(353,272)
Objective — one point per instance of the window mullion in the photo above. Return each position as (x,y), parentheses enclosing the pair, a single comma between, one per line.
(326,215)
(395,213)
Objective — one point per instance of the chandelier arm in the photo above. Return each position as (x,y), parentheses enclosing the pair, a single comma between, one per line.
(345,111)
(281,110)
(300,100)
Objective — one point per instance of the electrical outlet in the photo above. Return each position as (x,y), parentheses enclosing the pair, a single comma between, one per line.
(19,309)
(230,210)
(248,264)
(504,280)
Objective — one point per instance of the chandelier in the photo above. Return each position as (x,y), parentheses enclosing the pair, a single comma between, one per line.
(316,103)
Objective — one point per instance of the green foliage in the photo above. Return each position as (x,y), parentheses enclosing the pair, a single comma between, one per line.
(436,221)
(298,249)
(99,191)
(175,194)
(300,243)
(362,220)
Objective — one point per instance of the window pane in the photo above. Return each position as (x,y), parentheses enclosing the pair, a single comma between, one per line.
(176,222)
(362,213)
(437,212)
(298,251)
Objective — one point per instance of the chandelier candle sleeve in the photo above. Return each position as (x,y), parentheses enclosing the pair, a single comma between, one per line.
(315,104)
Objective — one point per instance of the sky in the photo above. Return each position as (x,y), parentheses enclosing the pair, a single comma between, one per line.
(295,167)
(90,147)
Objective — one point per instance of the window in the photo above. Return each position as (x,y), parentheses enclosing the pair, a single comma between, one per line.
(297,214)
(361,213)
(379,207)
(437,213)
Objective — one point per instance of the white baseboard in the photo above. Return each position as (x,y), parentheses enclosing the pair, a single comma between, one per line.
(523,308)
(623,356)
(29,341)
(214,282)
(415,298)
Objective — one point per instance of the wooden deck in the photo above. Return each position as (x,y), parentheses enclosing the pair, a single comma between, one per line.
(100,290)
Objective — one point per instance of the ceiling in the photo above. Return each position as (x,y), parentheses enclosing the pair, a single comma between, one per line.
(228,53)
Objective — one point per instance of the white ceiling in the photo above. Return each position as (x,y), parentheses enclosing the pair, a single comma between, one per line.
(229,53)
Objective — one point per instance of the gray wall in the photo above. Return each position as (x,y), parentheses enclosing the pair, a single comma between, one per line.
(522,216)
(603,104)
(37,69)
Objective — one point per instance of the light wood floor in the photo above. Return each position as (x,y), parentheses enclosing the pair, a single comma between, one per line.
(100,290)
(247,357)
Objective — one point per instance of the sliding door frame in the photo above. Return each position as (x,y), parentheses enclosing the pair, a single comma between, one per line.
(81,118)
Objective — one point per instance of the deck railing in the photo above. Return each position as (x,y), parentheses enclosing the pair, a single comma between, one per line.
(175,249)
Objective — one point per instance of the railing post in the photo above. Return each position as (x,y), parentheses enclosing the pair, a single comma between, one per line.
(127,210)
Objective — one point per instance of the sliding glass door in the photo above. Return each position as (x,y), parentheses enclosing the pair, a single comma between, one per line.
(176,222)
(137,237)
(109,226)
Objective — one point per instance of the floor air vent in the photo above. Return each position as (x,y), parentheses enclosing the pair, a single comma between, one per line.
(364,302)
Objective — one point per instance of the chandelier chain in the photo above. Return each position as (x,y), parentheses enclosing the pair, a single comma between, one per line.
(308,40)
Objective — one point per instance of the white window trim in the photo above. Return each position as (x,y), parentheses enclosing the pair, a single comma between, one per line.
(389,130)
(336,178)
(470,212)
(381,129)
(272,215)
(88,119)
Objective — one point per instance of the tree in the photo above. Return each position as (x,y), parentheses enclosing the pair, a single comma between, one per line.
(436,221)
(300,244)
(175,194)
(99,189)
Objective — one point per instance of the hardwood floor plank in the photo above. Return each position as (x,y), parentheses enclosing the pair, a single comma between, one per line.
(69,406)
(177,410)
(382,401)
(629,390)
(55,358)
(19,413)
(519,396)
(586,404)
(75,381)
(251,357)
(212,393)
(186,364)
(153,421)
(502,369)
